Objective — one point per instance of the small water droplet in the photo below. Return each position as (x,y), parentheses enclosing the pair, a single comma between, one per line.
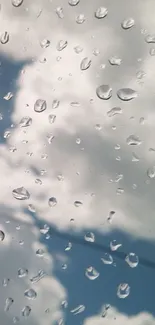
(107,258)
(85,64)
(126,94)
(60,177)
(25,121)
(8,303)
(60,13)
(15,319)
(40,105)
(31,208)
(151,172)
(22,272)
(128,23)
(26,311)
(96,52)
(150,38)
(114,111)
(64,304)
(61,45)
(132,259)
(68,247)
(20,193)
(90,237)
(104,310)
(91,273)
(78,204)
(30,294)
(17,3)
(152,51)
(133,140)
(141,120)
(73,2)
(114,60)
(104,92)
(38,181)
(64,266)
(80,19)
(135,158)
(7,134)
(78,49)
(78,140)
(40,275)
(45,229)
(79,309)
(8,96)
(110,216)
(40,252)
(123,290)
(55,103)
(101,12)
(120,190)
(52,202)
(4,38)
(2,235)
(5,282)
(45,43)
(140,74)
(114,245)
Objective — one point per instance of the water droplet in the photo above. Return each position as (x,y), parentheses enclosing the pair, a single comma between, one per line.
(5,282)
(4,38)
(107,258)
(26,311)
(41,274)
(8,96)
(68,247)
(152,51)
(2,235)
(40,105)
(22,272)
(132,259)
(114,245)
(110,216)
(140,74)
(114,60)
(20,193)
(104,310)
(25,121)
(80,19)
(45,229)
(104,92)
(78,204)
(50,138)
(85,64)
(52,202)
(45,43)
(120,190)
(7,134)
(30,294)
(17,3)
(64,304)
(98,127)
(78,141)
(55,103)
(40,252)
(31,208)
(126,94)
(150,38)
(61,45)
(60,177)
(15,319)
(101,12)
(8,303)
(79,309)
(78,49)
(133,140)
(128,23)
(96,52)
(64,266)
(73,2)
(59,12)
(123,290)
(91,273)
(89,236)
(135,158)
(114,111)
(38,181)
(151,172)
(141,120)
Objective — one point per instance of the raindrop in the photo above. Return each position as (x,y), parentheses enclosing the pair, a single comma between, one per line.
(8,302)
(73,2)
(91,273)
(141,120)
(132,259)
(123,290)
(40,252)
(126,94)
(55,103)
(135,158)
(133,140)
(45,229)
(110,216)
(104,92)
(8,96)
(38,181)
(150,38)
(96,52)
(15,319)
(114,60)
(7,134)
(52,202)
(114,245)
(107,258)
(151,172)
(30,294)
(60,177)
(31,208)
(78,141)
(85,64)
(59,12)
(17,3)
(41,274)
(68,247)
(64,266)
(61,45)
(80,19)
(101,12)
(104,310)
(120,190)
(79,309)
(78,204)
(152,51)
(4,38)
(5,282)
(64,304)
(26,311)
(89,236)
(98,127)
(114,111)
(40,105)
(45,43)
(22,272)
(50,138)
(128,23)
(25,121)
(75,104)
(20,193)
(2,235)
(78,49)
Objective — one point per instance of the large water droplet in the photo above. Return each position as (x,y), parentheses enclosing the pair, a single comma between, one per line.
(114,111)
(45,43)
(60,13)
(80,19)
(114,60)
(150,38)
(89,236)
(22,272)
(133,140)
(91,273)
(128,23)
(85,64)
(4,38)
(20,193)
(151,172)
(78,204)
(30,294)
(2,235)
(73,2)
(104,92)
(8,303)
(123,290)
(101,12)
(52,202)
(107,258)
(41,274)
(40,105)
(114,245)
(126,94)
(61,45)
(132,259)
(17,3)
(26,311)
(79,309)
(25,121)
